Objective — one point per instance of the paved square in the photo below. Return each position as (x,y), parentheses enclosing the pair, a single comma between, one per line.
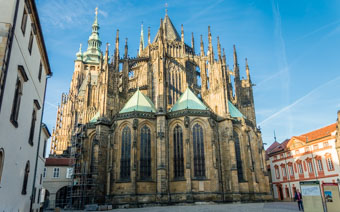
(206,207)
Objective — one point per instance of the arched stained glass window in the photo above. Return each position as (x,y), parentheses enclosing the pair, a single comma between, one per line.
(94,158)
(145,153)
(125,161)
(238,157)
(199,159)
(178,152)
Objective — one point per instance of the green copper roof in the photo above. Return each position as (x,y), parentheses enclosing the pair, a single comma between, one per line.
(139,102)
(95,117)
(234,112)
(188,100)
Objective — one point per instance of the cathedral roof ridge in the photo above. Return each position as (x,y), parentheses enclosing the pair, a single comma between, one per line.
(139,102)
(188,100)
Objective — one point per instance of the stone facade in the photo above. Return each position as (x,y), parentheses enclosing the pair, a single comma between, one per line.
(228,164)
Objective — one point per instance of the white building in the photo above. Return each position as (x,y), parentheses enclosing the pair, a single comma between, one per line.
(38,193)
(24,69)
(311,156)
(57,177)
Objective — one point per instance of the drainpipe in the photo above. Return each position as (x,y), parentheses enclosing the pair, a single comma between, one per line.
(38,145)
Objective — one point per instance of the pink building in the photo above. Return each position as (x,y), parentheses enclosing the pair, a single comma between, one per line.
(311,156)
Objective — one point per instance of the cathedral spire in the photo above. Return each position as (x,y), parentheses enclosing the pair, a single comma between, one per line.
(224,57)
(79,53)
(141,43)
(93,53)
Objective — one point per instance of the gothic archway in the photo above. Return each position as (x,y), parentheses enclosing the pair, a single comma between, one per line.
(61,197)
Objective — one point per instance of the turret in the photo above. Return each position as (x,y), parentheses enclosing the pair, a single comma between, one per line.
(116,60)
(79,54)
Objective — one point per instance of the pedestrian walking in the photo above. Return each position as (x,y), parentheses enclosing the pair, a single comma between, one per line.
(298,198)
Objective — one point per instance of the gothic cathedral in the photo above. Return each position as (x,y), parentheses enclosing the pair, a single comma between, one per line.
(168,126)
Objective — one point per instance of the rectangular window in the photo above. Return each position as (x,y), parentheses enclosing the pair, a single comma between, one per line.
(320,165)
(44,150)
(44,173)
(310,167)
(55,172)
(40,72)
(24,21)
(284,171)
(325,144)
(31,136)
(30,43)
(300,168)
(39,195)
(16,102)
(316,146)
(277,173)
(330,164)
(291,170)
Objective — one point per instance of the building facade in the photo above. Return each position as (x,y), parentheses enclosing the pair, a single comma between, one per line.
(311,156)
(57,177)
(163,127)
(24,69)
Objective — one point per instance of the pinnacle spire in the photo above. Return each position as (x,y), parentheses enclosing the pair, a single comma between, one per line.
(247,70)
(192,42)
(141,43)
(182,33)
(219,48)
(202,46)
(149,35)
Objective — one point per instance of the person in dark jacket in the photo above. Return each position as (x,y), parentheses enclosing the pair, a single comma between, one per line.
(298,198)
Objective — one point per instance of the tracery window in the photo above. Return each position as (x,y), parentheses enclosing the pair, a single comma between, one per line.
(145,153)
(238,157)
(199,159)
(178,152)
(24,185)
(125,161)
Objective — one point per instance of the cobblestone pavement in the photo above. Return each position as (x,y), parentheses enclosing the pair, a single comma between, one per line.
(207,207)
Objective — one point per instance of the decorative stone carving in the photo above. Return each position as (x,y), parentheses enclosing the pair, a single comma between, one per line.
(135,124)
(186,121)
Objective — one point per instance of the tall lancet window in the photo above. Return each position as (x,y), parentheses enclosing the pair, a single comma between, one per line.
(24,184)
(178,152)
(199,159)
(238,157)
(125,161)
(94,158)
(145,153)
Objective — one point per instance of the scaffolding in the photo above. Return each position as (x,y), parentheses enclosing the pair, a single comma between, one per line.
(82,190)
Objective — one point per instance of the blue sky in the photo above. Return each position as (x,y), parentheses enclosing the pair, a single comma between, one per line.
(292,49)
